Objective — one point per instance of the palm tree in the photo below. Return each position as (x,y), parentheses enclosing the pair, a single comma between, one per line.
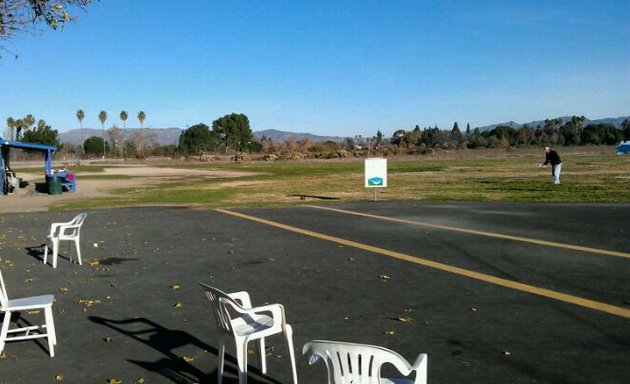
(80,117)
(102,116)
(11,126)
(141,117)
(19,125)
(123,117)
(25,124)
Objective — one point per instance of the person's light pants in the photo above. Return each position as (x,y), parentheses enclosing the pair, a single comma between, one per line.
(555,173)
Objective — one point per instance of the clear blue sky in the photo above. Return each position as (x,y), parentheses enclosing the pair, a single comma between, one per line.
(341,68)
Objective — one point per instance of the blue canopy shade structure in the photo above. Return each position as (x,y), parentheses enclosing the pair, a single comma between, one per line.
(5,151)
(623,147)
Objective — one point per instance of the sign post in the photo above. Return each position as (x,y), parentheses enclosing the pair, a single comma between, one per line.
(375,174)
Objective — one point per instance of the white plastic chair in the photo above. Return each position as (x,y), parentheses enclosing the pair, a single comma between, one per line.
(70,231)
(26,304)
(351,363)
(236,319)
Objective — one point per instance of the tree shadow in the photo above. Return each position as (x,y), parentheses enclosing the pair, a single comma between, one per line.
(115,260)
(165,340)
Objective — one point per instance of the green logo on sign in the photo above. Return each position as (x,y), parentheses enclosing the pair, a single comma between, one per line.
(375,181)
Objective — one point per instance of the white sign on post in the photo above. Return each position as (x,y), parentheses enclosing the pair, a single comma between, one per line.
(375,173)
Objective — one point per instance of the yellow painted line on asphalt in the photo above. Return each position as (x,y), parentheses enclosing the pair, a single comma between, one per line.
(480,233)
(591,304)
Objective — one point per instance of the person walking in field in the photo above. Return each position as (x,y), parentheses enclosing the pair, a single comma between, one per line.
(552,157)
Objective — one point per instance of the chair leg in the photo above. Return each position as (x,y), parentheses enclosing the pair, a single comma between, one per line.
(46,251)
(50,330)
(241,356)
(78,245)
(263,358)
(5,329)
(221,362)
(288,331)
(55,245)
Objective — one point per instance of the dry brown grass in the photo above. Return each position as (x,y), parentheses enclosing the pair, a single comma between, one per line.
(593,174)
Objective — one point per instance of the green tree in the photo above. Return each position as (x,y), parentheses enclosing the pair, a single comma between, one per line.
(255,146)
(22,124)
(141,117)
(525,135)
(11,128)
(139,145)
(413,137)
(397,137)
(606,134)
(349,144)
(95,146)
(572,130)
(195,140)
(102,117)
(378,139)
(124,116)
(431,137)
(42,134)
(233,130)
(29,121)
(503,134)
(476,139)
(625,129)
(551,130)
(80,117)
(456,134)
(19,125)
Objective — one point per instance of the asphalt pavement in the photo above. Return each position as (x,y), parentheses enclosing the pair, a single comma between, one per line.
(492,292)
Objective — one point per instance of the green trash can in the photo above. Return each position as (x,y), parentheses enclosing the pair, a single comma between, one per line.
(54,185)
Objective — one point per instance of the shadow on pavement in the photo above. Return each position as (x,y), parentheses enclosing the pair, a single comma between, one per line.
(172,366)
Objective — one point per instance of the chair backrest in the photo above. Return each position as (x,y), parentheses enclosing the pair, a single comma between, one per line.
(76,223)
(221,315)
(354,363)
(4,297)
(79,219)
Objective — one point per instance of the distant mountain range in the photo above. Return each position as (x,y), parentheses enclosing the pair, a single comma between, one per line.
(616,121)
(169,136)
(282,136)
(161,136)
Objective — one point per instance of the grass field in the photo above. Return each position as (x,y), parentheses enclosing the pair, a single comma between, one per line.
(587,176)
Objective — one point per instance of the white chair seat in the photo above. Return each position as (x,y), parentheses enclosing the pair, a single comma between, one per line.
(43,302)
(28,303)
(247,325)
(237,320)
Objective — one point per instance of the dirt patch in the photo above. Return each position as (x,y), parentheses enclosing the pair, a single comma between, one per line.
(29,200)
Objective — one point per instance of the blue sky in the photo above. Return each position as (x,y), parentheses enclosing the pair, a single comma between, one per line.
(341,68)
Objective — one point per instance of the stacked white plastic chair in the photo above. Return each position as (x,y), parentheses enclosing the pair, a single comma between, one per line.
(70,231)
(27,304)
(351,363)
(237,319)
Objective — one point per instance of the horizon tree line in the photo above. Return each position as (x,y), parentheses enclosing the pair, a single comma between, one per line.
(233,133)
(102,117)
(550,132)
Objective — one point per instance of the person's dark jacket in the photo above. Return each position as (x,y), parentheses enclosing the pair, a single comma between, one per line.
(552,158)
